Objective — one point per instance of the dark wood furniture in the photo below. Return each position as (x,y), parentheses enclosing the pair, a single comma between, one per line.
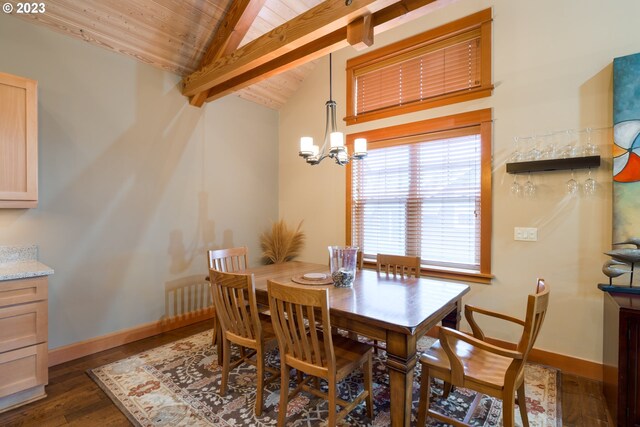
(621,341)
(554,164)
(394,309)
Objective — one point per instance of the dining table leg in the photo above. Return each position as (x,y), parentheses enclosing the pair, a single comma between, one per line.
(401,361)
(452,320)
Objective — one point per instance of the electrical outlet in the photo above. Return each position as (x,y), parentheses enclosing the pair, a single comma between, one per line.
(525,234)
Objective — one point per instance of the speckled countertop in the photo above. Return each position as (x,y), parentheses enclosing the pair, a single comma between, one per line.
(18,262)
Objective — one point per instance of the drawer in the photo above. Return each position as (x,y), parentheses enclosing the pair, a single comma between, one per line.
(23,325)
(23,290)
(23,368)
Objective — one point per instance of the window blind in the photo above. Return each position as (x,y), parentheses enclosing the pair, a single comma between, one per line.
(425,73)
(441,66)
(420,196)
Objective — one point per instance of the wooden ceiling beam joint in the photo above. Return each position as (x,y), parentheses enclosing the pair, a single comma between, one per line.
(228,36)
(317,22)
(387,18)
(360,32)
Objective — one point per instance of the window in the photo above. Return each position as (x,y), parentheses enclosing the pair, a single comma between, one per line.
(448,64)
(425,190)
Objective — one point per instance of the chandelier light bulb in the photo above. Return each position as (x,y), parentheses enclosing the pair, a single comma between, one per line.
(360,146)
(306,146)
(337,139)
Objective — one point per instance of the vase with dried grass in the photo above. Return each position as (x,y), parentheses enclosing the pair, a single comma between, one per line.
(282,243)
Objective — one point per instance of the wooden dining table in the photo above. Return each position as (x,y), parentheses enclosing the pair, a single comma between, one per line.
(396,310)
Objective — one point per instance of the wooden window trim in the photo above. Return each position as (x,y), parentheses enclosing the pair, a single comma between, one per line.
(480,21)
(379,138)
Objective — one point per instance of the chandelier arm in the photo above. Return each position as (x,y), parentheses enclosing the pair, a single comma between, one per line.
(327,131)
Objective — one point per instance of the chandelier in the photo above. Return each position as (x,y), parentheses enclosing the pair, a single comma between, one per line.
(333,146)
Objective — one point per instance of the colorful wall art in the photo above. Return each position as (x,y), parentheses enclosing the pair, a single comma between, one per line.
(626,147)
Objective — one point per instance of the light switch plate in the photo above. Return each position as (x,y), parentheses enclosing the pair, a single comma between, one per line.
(525,234)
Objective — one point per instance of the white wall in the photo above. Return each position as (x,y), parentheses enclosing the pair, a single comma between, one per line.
(135,185)
(552,70)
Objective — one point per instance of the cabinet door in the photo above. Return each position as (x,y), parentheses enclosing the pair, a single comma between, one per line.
(630,381)
(18,142)
(23,368)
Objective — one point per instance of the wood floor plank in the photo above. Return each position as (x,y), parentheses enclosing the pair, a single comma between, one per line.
(102,413)
(75,400)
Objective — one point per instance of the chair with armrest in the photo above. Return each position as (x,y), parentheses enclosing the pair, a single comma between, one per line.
(234,296)
(313,350)
(469,361)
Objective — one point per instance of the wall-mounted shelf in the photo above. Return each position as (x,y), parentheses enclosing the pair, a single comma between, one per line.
(554,164)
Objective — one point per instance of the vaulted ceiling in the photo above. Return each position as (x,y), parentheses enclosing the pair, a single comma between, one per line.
(189,37)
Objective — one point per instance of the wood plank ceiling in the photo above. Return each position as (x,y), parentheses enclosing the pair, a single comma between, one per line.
(173,34)
(198,39)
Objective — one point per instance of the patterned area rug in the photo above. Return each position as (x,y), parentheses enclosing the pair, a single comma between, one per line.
(178,385)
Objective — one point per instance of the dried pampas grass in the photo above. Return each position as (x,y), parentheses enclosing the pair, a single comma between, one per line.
(281,244)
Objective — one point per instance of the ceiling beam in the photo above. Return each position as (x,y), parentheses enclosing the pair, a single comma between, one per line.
(302,55)
(315,23)
(360,32)
(228,36)
(384,19)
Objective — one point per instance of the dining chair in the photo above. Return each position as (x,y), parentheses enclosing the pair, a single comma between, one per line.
(470,362)
(241,324)
(314,351)
(398,265)
(228,260)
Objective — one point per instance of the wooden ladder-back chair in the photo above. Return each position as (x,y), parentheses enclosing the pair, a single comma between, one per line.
(315,352)
(471,362)
(234,296)
(231,260)
(398,265)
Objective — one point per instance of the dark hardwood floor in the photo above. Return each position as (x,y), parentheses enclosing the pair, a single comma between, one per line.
(75,400)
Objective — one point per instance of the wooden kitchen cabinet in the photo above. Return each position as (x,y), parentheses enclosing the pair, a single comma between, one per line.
(18,142)
(23,341)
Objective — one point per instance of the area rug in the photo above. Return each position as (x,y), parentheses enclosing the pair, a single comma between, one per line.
(178,385)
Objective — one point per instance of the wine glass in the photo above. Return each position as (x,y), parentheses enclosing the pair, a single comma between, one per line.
(570,149)
(516,155)
(516,188)
(548,145)
(590,149)
(572,185)
(590,185)
(529,188)
(534,152)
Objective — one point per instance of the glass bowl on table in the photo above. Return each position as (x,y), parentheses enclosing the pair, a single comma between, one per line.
(343,261)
